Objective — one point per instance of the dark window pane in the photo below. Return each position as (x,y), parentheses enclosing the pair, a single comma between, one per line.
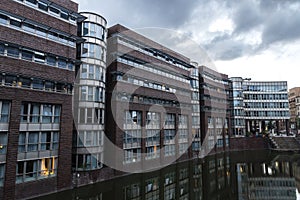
(13,51)
(15,22)
(54,10)
(53,36)
(51,60)
(62,64)
(37,84)
(64,15)
(24,82)
(32,1)
(39,57)
(10,80)
(49,86)
(2,48)
(41,32)
(27,55)
(43,6)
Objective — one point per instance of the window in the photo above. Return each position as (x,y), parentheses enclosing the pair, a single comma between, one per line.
(13,51)
(62,64)
(91,71)
(38,141)
(4,111)
(90,93)
(31,170)
(24,82)
(83,93)
(84,70)
(64,15)
(27,55)
(2,174)
(89,161)
(133,117)
(37,84)
(31,113)
(15,22)
(3,19)
(42,6)
(51,60)
(2,48)
(3,142)
(39,57)
(53,10)
(170,119)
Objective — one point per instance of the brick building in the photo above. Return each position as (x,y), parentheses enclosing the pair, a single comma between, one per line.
(37,70)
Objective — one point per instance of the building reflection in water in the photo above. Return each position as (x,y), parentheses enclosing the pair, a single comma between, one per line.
(219,177)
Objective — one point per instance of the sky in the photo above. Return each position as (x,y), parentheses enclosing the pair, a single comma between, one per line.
(257,39)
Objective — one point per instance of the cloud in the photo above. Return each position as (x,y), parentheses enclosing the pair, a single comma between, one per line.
(251,27)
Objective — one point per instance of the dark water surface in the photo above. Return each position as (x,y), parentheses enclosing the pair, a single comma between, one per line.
(234,175)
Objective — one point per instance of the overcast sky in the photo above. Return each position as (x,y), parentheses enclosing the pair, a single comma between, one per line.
(258,39)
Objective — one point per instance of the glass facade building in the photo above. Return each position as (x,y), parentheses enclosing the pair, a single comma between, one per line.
(259,107)
(90,95)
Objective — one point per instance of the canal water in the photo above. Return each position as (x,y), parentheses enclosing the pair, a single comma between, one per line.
(234,175)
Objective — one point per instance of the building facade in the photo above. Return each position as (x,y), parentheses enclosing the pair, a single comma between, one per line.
(294,103)
(89,100)
(259,107)
(37,63)
(149,115)
(215,108)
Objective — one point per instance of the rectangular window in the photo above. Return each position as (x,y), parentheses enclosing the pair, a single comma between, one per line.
(15,22)
(83,93)
(3,19)
(27,55)
(24,82)
(13,51)
(45,141)
(84,70)
(2,174)
(4,111)
(91,71)
(39,57)
(29,27)
(3,142)
(41,32)
(90,93)
(64,15)
(43,6)
(62,64)
(22,142)
(37,84)
(2,49)
(51,60)
(47,114)
(33,140)
(54,10)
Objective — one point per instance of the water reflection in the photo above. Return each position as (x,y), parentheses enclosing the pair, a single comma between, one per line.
(238,175)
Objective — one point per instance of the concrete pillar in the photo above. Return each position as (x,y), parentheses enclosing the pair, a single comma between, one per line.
(260,124)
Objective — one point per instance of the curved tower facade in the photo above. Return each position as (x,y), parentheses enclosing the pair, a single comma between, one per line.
(90,98)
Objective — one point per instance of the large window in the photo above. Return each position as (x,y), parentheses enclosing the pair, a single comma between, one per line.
(40,113)
(3,142)
(170,119)
(133,117)
(132,155)
(38,141)
(4,111)
(93,30)
(2,174)
(89,138)
(31,170)
(92,51)
(88,161)
(153,120)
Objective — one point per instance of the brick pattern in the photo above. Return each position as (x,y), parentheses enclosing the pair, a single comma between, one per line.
(38,16)
(17,96)
(27,40)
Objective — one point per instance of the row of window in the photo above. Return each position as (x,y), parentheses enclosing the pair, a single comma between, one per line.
(90,93)
(155,70)
(31,170)
(215,79)
(91,116)
(266,96)
(265,87)
(95,51)
(50,9)
(258,105)
(89,139)
(150,52)
(38,141)
(84,162)
(40,113)
(38,30)
(35,83)
(267,113)
(93,72)
(36,56)
(144,83)
(93,30)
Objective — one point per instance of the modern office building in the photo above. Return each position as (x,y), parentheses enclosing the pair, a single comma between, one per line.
(149,115)
(259,107)
(215,109)
(294,103)
(89,100)
(37,63)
